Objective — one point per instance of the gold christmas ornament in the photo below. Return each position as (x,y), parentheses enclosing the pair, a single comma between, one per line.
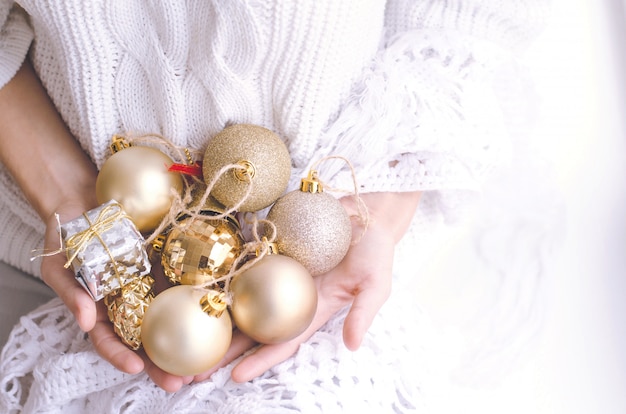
(126,308)
(311,226)
(138,178)
(185,332)
(274,300)
(199,250)
(264,161)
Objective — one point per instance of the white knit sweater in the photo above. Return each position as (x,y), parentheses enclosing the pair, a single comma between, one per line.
(403,89)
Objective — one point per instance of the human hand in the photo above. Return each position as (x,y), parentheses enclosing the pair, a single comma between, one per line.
(92,316)
(362,279)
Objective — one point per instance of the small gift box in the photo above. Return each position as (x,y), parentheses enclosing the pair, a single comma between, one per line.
(105,249)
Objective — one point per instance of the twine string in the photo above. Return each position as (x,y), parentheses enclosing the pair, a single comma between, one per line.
(259,247)
(183,154)
(180,205)
(35,253)
(362,211)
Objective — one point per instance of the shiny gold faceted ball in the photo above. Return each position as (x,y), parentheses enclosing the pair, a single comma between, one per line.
(201,250)
(273,301)
(312,228)
(138,179)
(179,337)
(260,150)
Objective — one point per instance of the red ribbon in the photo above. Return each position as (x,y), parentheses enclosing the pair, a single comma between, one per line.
(195,169)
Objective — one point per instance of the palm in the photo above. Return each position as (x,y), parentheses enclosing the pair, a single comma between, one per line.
(363,278)
(91,316)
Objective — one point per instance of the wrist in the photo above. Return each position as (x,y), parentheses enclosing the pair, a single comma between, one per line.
(59,193)
(393,211)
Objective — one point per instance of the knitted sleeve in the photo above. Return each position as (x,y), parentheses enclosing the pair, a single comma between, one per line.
(22,229)
(424,115)
(15,38)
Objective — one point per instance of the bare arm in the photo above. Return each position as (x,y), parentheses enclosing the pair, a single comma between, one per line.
(39,150)
(57,176)
(52,171)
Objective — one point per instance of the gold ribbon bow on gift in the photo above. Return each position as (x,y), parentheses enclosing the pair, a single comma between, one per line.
(104,222)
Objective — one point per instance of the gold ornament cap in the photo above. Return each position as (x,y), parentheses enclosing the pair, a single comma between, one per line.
(272,248)
(119,143)
(311,184)
(213,303)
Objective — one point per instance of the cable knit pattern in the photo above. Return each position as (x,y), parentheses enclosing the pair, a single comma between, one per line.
(401,88)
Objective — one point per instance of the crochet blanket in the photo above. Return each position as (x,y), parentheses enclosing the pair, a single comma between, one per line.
(410,361)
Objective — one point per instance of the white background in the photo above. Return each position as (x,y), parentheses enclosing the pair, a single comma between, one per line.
(580,69)
(578,362)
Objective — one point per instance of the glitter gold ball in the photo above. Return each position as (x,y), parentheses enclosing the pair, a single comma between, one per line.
(273,301)
(179,337)
(200,250)
(254,146)
(312,228)
(138,179)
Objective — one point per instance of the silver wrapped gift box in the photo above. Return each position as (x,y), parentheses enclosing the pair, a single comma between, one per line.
(105,249)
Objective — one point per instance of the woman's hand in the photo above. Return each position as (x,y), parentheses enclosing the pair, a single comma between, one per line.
(92,316)
(362,280)
(57,176)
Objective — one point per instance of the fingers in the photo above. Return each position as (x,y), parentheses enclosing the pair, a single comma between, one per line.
(239,345)
(267,356)
(168,382)
(109,346)
(364,308)
(77,300)
(263,359)
(172,383)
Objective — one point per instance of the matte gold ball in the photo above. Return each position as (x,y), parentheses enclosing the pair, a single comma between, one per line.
(201,250)
(137,177)
(179,337)
(258,149)
(312,228)
(273,301)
